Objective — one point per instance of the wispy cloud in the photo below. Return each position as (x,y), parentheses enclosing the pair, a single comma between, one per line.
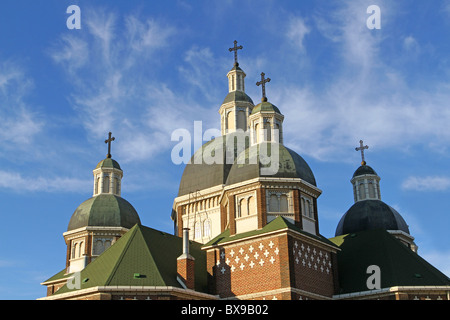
(19,183)
(112,86)
(297,30)
(428,183)
(364,96)
(19,123)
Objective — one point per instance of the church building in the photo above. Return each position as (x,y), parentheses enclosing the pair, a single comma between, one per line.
(246,227)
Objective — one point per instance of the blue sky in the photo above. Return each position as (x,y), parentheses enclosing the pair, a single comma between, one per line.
(142,69)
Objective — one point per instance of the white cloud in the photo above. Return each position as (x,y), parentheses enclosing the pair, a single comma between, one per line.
(297,30)
(111,91)
(17,182)
(19,123)
(426,183)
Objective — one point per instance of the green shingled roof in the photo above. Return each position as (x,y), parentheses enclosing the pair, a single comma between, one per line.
(399,265)
(151,253)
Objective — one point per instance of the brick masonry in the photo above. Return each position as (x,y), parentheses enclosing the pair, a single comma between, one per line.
(271,263)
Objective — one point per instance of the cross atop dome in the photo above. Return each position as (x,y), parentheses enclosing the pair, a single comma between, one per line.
(235,49)
(361,148)
(262,83)
(108,141)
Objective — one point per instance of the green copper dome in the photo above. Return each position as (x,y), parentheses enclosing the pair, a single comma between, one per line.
(104,210)
(265,106)
(108,163)
(248,165)
(237,96)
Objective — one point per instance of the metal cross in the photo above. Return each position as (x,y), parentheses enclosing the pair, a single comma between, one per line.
(108,141)
(235,49)
(361,148)
(263,84)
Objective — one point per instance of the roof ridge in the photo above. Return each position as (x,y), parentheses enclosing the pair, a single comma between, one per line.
(122,253)
(150,252)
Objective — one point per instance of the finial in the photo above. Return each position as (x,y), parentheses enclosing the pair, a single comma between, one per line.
(108,141)
(235,49)
(262,83)
(361,148)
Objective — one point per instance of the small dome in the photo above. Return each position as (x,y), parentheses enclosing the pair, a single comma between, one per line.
(104,210)
(364,169)
(370,215)
(108,163)
(237,96)
(248,165)
(265,106)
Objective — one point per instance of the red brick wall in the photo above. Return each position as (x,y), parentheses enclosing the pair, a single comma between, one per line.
(271,263)
(312,267)
(250,267)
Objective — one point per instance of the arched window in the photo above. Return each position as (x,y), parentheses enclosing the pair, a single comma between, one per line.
(371,190)
(81,249)
(241,120)
(273,204)
(268,131)
(74,250)
(117,185)
(107,244)
(197,230)
(284,207)
(230,120)
(97,184)
(243,208)
(98,247)
(207,228)
(106,184)
(251,205)
(362,191)
(257,134)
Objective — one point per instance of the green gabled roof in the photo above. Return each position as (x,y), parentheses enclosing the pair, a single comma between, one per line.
(151,253)
(399,265)
(278,223)
(60,275)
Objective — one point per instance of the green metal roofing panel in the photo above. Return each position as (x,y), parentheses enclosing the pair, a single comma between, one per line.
(104,210)
(399,265)
(142,257)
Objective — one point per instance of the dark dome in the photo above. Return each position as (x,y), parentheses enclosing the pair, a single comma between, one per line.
(106,210)
(370,215)
(364,169)
(291,165)
(200,174)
